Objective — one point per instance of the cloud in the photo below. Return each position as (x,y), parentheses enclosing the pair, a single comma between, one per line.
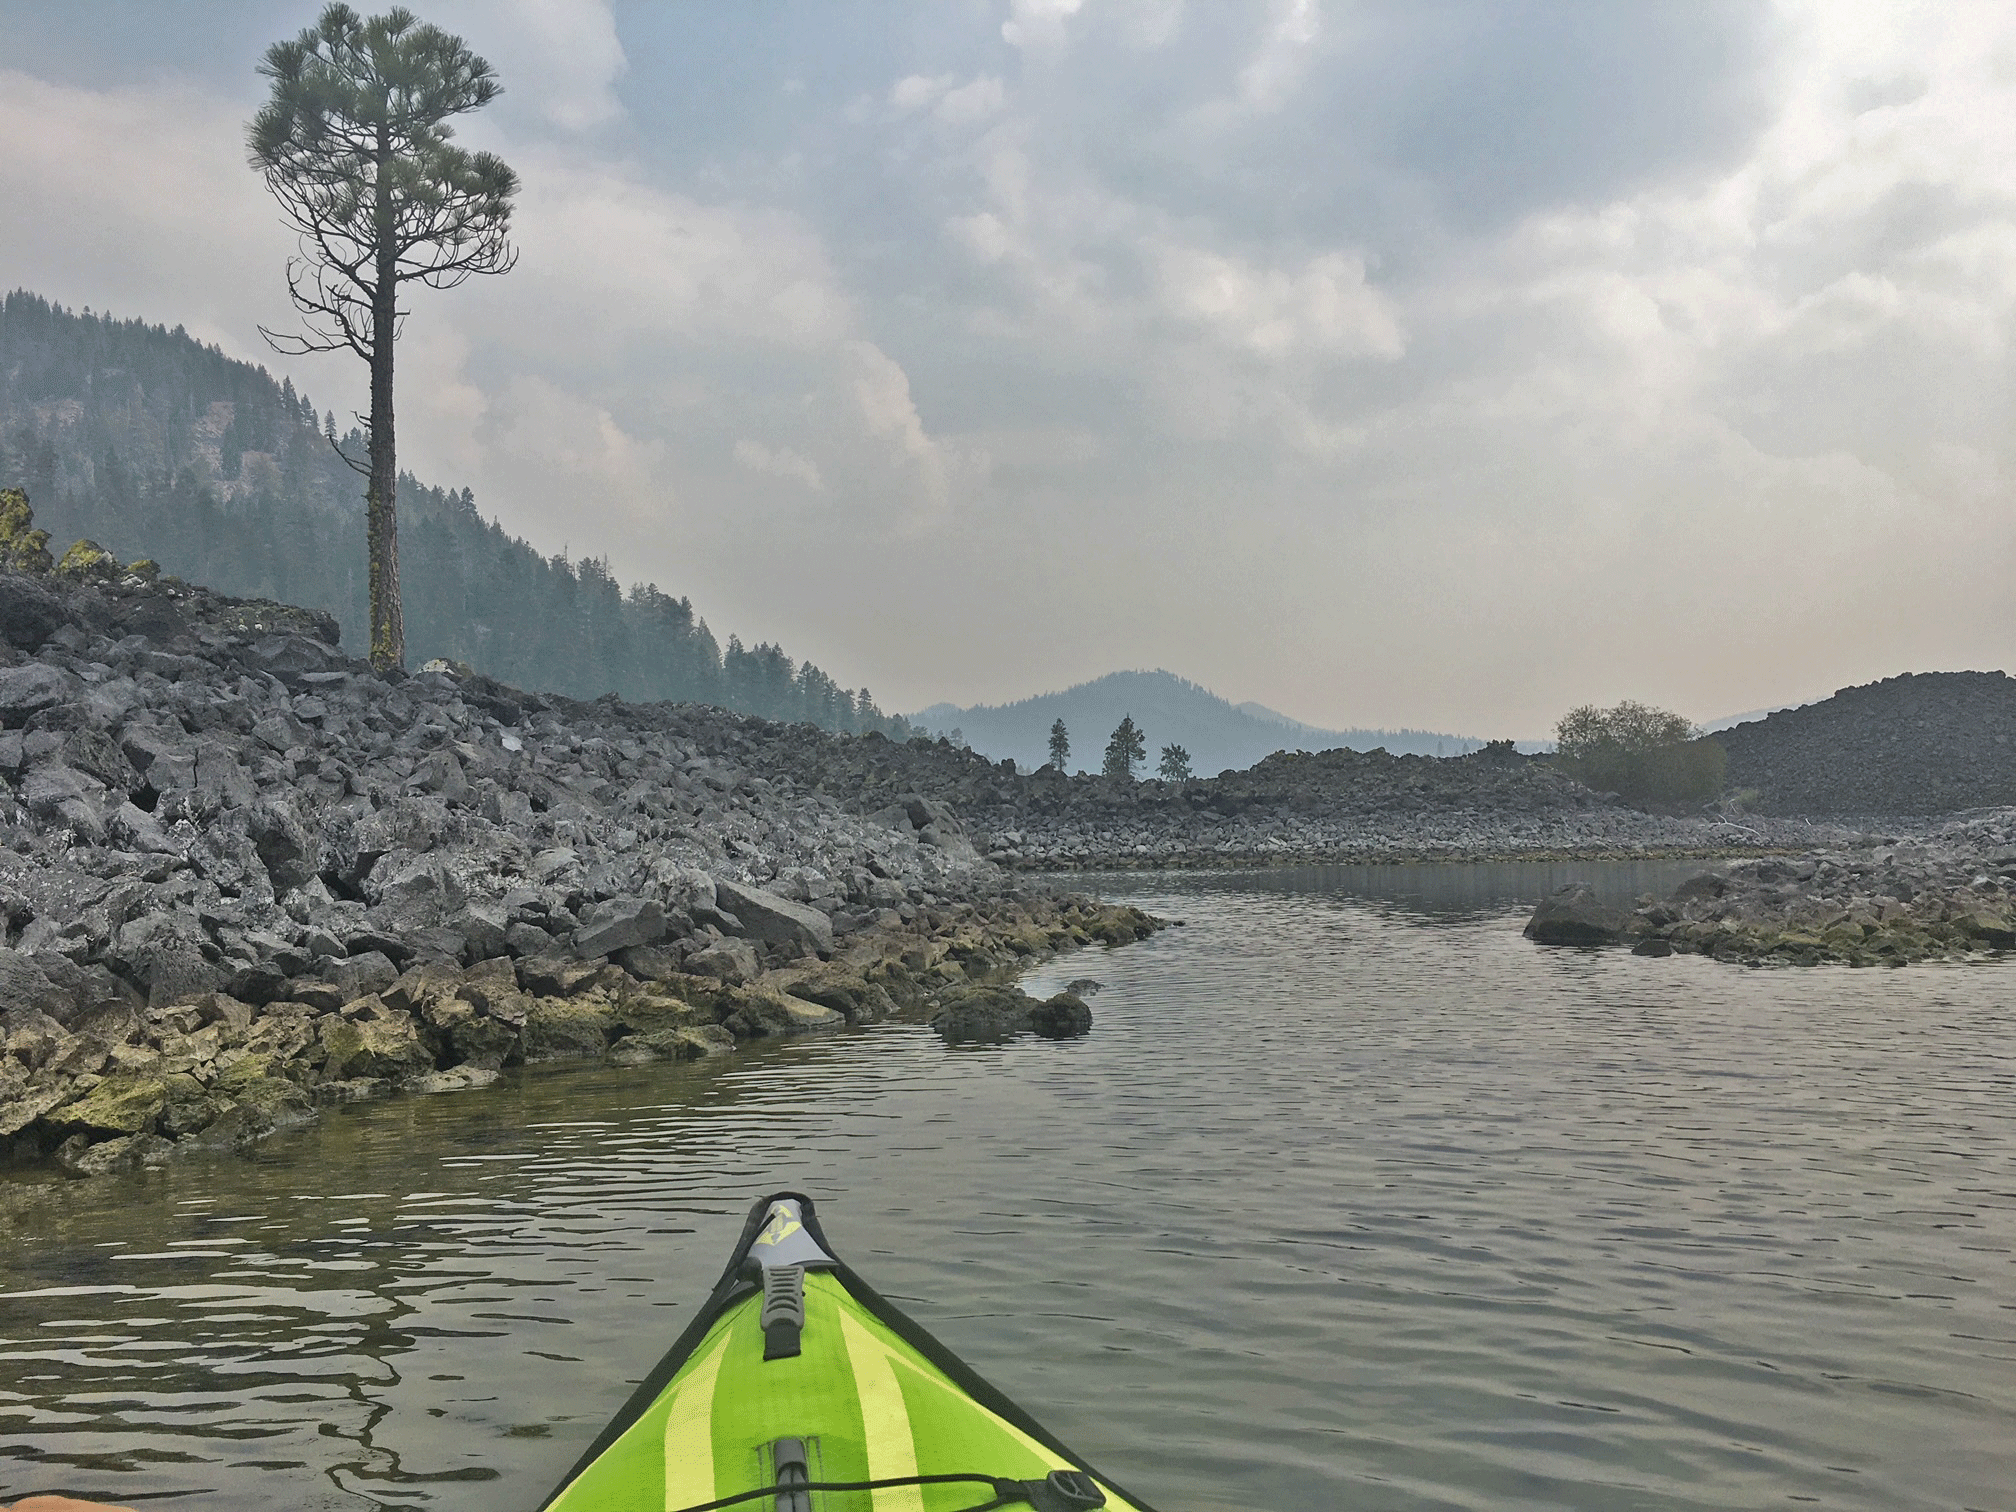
(778,462)
(970,102)
(1325,305)
(915,90)
(634,261)
(881,392)
(563,55)
(571,459)
(1275,69)
(954,103)
(1039,26)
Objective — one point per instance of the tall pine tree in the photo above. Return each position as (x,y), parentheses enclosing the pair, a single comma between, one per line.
(355,144)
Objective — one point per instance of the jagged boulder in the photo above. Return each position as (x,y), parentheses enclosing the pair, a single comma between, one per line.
(619,923)
(30,612)
(365,972)
(26,989)
(728,960)
(27,691)
(777,921)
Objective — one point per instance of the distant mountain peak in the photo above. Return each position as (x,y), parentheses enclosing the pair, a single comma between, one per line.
(1170,710)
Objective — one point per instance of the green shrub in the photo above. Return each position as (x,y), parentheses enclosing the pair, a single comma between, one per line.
(1640,753)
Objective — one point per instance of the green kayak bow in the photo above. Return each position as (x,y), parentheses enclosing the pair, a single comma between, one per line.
(798,1388)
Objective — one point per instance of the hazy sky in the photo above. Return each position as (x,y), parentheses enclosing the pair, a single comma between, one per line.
(1400,363)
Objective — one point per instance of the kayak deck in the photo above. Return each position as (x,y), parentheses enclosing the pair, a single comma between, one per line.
(841,1387)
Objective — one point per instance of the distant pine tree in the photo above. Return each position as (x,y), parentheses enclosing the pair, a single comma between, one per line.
(1060,745)
(1175,765)
(1126,750)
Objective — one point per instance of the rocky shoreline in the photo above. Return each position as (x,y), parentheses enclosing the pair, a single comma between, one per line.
(241,873)
(123,1085)
(1948,893)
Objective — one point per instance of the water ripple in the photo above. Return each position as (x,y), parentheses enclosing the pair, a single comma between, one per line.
(1353,1199)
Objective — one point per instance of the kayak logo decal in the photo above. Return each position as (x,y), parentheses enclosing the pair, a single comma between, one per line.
(782,1225)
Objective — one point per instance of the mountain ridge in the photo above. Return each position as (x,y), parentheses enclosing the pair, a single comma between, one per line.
(1218,734)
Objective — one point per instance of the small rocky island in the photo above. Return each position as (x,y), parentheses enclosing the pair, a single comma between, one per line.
(1946,895)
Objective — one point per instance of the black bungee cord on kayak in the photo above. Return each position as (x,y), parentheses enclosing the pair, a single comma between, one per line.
(1059,1491)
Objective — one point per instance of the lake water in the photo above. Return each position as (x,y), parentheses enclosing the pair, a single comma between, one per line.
(1352,1199)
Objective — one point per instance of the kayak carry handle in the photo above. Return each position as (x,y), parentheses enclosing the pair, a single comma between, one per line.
(783,1312)
(794,1470)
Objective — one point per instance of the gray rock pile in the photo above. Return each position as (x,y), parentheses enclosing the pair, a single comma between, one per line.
(1294,806)
(1924,743)
(240,872)
(1948,894)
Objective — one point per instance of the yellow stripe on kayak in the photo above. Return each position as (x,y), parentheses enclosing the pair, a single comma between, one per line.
(885,1421)
(689,1435)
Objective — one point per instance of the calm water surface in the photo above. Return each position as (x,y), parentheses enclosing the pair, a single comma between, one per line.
(1353,1199)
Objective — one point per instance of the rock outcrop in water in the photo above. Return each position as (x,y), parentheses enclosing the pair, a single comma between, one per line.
(1947,895)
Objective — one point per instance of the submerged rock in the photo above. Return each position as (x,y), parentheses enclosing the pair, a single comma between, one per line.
(1065,1016)
(1574,916)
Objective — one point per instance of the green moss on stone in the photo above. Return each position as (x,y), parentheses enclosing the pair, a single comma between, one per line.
(22,547)
(88,562)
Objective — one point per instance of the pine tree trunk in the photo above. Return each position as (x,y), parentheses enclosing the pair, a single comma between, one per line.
(381,495)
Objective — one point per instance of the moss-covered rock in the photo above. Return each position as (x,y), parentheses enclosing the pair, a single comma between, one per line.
(1065,1016)
(370,1039)
(654,1006)
(566,1029)
(88,562)
(283,1032)
(765,1013)
(984,1015)
(81,1157)
(120,1104)
(1993,930)
(848,993)
(698,1042)
(256,1106)
(22,547)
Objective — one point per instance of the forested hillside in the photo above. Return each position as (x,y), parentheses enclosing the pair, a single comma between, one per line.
(155,445)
